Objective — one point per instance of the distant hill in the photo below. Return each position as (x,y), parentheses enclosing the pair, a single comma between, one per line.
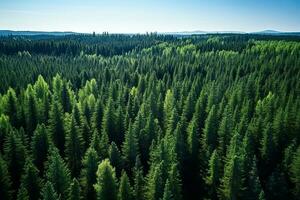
(275,32)
(32,33)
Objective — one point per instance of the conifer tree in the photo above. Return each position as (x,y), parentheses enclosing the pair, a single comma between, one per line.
(213,175)
(130,148)
(74,190)
(106,186)
(31,112)
(5,182)
(30,181)
(125,190)
(23,194)
(40,145)
(88,174)
(58,174)
(115,158)
(155,185)
(74,148)
(15,156)
(104,145)
(167,192)
(48,192)
(232,181)
(108,120)
(11,107)
(295,172)
(138,189)
(210,130)
(56,126)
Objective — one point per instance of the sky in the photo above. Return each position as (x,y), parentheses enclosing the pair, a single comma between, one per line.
(140,16)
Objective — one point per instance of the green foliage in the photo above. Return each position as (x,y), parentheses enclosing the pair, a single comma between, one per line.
(58,174)
(106,186)
(193,117)
(125,190)
(5,182)
(48,192)
(74,191)
(88,174)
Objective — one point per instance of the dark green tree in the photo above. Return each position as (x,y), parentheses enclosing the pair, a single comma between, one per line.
(106,186)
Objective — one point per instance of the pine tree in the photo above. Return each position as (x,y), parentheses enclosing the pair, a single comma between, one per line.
(210,130)
(23,194)
(109,120)
(254,187)
(115,158)
(31,111)
(175,183)
(167,192)
(48,192)
(74,190)
(213,175)
(58,174)
(5,189)
(95,142)
(56,126)
(155,185)
(74,148)
(130,148)
(106,186)
(15,156)
(138,189)
(104,145)
(11,107)
(40,146)
(97,116)
(88,174)
(125,190)
(30,181)
(295,172)
(232,181)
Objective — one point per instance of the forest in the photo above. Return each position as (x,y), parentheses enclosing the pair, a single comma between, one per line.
(150,117)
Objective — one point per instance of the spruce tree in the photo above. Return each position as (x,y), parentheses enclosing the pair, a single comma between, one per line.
(125,190)
(48,192)
(40,145)
(5,182)
(106,186)
(74,148)
(15,156)
(58,174)
(130,148)
(88,174)
(115,158)
(30,181)
(74,190)
(56,126)
(213,175)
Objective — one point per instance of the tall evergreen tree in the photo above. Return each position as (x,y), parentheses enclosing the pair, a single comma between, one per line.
(5,182)
(58,174)
(30,181)
(106,186)
(48,192)
(125,190)
(56,126)
(74,148)
(40,145)
(88,174)
(74,190)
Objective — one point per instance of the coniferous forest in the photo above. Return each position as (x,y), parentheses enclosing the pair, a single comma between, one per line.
(150,117)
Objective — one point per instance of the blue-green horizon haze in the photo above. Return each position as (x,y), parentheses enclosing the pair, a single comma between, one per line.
(116,16)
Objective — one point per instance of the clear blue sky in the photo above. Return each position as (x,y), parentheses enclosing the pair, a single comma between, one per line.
(150,15)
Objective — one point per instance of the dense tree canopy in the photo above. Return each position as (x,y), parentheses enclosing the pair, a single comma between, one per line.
(150,117)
